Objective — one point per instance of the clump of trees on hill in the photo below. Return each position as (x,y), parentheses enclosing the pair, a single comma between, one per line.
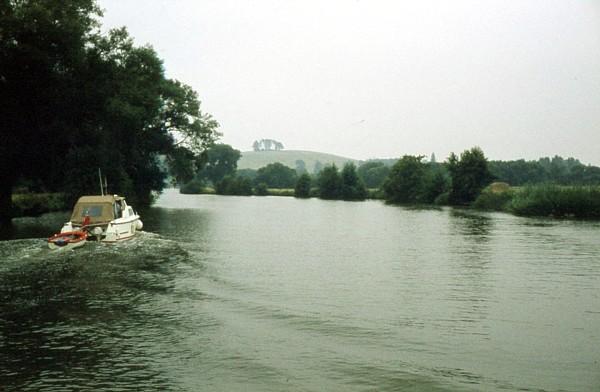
(74,100)
(267,145)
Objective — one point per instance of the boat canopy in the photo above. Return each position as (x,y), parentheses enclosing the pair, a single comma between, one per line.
(100,209)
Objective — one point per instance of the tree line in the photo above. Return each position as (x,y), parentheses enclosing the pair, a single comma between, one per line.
(460,180)
(74,100)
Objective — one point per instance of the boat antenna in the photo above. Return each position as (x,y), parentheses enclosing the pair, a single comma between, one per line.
(100,177)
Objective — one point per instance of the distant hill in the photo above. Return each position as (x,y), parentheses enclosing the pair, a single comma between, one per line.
(258,159)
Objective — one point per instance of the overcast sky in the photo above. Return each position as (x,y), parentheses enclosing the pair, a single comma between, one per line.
(364,79)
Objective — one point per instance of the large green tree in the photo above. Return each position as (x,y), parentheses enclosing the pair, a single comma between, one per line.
(75,100)
(352,186)
(470,174)
(373,173)
(276,175)
(405,183)
(302,188)
(42,53)
(220,161)
(329,182)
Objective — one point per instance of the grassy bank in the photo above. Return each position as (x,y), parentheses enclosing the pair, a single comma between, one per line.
(34,204)
(581,202)
(557,201)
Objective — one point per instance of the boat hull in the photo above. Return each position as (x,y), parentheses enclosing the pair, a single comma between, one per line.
(67,240)
(121,230)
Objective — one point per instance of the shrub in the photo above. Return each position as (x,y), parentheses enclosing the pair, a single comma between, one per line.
(33,204)
(352,186)
(193,187)
(442,200)
(303,186)
(330,183)
(261,189)
(557,201)
(234,186)
(494,200)
(406,180)
(281,192)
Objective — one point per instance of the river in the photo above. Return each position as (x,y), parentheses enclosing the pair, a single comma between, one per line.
(281,294)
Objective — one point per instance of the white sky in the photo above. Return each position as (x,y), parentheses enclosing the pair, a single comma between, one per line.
(520,79)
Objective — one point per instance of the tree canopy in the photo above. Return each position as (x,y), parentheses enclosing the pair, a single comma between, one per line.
(75,100)
(302,188)
(352,186)
(220,160)
(405,183)
(267,145)
(276,175)
(373,173)
(470,174)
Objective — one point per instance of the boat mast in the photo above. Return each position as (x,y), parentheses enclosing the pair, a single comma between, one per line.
(100,177)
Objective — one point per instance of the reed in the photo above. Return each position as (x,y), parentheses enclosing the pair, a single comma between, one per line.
(557,201)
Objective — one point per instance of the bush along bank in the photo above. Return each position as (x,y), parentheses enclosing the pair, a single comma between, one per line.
(35,204)
(557,201)
(546,200)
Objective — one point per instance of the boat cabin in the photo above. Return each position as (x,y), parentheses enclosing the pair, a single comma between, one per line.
(100,209)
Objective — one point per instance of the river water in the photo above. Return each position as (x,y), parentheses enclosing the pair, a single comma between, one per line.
(280,294)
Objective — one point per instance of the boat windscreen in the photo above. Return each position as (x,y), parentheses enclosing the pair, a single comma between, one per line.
(98,212)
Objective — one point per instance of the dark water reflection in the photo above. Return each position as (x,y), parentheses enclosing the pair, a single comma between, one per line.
(272,294)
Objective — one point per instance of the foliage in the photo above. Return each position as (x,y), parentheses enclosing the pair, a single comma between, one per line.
(555,170)
(494,198)
(405,183)
(182,165)
(300,167)
(442,199)
(435,183)
(220,161)
(247,173)
(267,145)
(33,204)
(302,188)
(373,173)
(469,175)
(257,159)
(281,192)
(375,194)
(261,189)
(74,100)
(352,186)
(329,183)
(276,175)
(318,167)
(194,187)
(557,201)
(233,185)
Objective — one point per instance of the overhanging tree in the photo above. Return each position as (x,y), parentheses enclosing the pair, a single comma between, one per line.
(74,100)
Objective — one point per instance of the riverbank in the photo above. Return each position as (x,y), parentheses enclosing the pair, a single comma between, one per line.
(580,202)
(35,204)
(555,201)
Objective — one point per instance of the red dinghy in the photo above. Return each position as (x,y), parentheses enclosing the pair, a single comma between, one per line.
(67,240)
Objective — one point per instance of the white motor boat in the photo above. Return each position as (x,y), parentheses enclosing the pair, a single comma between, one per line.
(107,218)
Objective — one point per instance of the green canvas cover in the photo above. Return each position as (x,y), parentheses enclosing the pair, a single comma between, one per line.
(100,209)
